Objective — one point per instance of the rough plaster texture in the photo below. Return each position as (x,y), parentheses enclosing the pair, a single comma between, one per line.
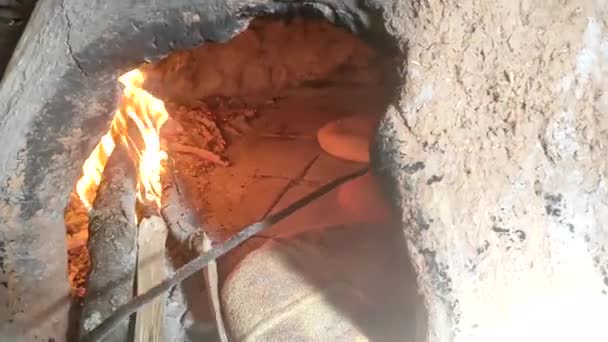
(494,150)
(268,57)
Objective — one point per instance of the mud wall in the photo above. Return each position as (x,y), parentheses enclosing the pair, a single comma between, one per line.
(496,155)
(266,58)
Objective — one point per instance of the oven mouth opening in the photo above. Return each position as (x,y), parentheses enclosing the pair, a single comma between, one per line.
(242,129)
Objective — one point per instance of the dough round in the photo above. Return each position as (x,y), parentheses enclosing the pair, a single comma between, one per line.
(348,138)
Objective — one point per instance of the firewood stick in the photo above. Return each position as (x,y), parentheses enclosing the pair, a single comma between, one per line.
(203,260)
(112,246)
(180,218)
(200,137)
(213,288)
(199,152)
(182,224)
(151,270)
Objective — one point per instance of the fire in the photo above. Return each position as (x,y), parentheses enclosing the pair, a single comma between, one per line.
(92,169)
(136,124)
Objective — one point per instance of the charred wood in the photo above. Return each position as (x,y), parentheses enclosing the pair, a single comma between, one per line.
(112,246)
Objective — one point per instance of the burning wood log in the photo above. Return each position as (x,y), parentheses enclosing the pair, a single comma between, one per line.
(112,246)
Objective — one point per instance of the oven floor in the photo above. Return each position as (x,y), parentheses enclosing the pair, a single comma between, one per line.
(277,161)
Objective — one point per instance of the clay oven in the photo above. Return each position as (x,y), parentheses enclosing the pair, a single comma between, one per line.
(487,150)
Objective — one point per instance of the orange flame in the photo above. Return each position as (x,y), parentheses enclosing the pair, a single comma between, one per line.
(137,126)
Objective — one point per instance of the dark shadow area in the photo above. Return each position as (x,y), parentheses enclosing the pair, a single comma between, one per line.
(14,15)
(360,276)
